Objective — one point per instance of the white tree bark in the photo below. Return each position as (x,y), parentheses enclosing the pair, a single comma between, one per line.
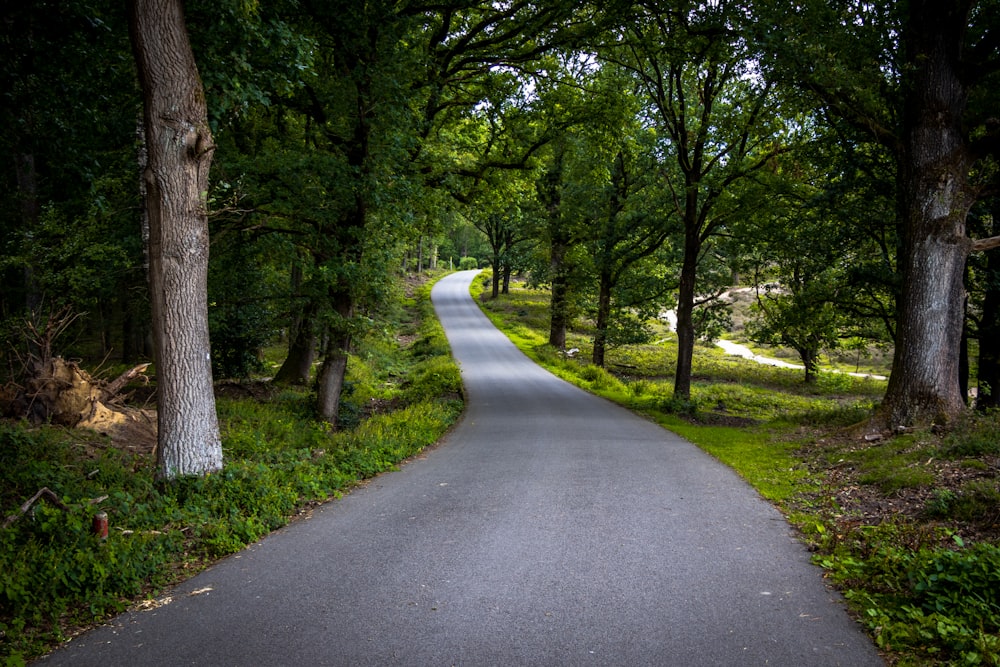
(180,153)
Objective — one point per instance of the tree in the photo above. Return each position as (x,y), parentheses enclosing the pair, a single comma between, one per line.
(386,80)
(180,153)
(626,229)
(817,255)
(718,122)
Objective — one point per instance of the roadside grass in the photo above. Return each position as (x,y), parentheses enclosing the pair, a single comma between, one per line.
(907,526)
(59,578)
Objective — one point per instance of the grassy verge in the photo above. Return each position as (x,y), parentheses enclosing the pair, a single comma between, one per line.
(908,527)
(58,577)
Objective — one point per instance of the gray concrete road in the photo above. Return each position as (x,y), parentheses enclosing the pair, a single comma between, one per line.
(549,528)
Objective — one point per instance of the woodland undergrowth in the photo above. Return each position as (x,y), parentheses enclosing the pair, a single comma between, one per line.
(59,577)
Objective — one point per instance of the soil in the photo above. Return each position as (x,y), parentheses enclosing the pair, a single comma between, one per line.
(855,503)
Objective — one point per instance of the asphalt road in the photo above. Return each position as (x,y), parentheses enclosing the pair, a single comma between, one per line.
(549,528)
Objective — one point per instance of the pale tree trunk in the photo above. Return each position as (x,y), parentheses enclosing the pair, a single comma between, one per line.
(935,162)
(180,154)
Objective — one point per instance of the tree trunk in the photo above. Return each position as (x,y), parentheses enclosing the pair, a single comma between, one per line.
(297,365)
(559,303)
(924,384)
(603,318)
(495,285)
(180,154)
(505,288)
(330,380)
(685,310)
(810,361)
(963,354)
(301,349)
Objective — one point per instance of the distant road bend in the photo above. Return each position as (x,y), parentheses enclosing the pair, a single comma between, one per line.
(549,528)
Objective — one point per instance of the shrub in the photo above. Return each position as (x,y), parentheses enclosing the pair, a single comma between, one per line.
(436,377)
(599,378)
(467,263)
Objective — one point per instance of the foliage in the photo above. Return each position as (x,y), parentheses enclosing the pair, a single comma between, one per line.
(939,605)
(467,263)
(241,316)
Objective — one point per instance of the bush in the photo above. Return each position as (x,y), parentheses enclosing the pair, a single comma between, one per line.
(942,603)
(438,376)
(467,263)
(599,378)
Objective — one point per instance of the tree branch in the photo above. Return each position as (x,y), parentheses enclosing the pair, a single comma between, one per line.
(43,492)
(979,245)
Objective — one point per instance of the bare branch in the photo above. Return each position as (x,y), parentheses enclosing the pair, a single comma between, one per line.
(980,245)
(43,492)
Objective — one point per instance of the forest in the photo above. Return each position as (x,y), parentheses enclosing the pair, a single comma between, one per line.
(633,157)
(200,193)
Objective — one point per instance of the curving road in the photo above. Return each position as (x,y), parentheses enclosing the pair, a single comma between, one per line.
(550,528)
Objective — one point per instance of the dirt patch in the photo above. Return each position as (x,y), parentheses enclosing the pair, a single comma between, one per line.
(258,390)
(703,418)
(136,433)
(857,502)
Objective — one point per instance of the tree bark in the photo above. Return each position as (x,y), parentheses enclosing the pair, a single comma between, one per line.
(180,153)
(934,164)
(603,319)
(685,302)
(810,361)
(330,380)
(301,350)
(559,303)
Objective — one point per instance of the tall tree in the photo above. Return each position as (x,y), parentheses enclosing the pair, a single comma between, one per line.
(626,228)
(719,125)
(180,153)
